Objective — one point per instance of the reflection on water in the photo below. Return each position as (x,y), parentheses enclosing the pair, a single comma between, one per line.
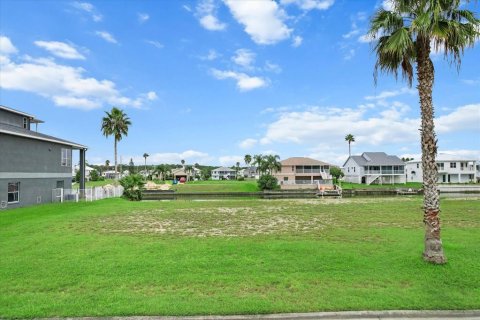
(452,195)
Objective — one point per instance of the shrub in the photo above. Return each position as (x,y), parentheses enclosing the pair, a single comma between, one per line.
(267,182)
(94,175)
(132,187)
(241,179)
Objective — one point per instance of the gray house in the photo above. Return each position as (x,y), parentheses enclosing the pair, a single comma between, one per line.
(224,173)
(374,168)
(32,164)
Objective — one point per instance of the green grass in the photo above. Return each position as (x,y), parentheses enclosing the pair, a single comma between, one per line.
(97,183)
(114,257)
(413,185)
(217,186)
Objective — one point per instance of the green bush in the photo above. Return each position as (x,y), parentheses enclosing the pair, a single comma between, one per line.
(268,182)
(94,176)
(241,178)
(132,187)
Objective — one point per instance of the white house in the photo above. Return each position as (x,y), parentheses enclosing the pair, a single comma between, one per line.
(374,168)
(224,173)
(451,169)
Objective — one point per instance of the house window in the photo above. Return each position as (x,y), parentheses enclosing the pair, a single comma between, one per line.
(293,168)
(66,157)
(440,166)
(13,192)
(25,123)
(453,164)
(348,169)
(285,178)
(353,169)
(418,165)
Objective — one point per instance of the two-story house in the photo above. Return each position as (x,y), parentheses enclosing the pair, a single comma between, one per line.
(374,168)
(303,173)
(224,173)
(32,164)
(451,169)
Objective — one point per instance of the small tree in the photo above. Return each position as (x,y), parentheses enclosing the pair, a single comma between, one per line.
(131,167)
(267,182)
(336,173)
(132,187)
(94,176)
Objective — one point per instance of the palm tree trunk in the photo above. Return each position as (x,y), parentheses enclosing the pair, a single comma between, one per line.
(431,202)
(115,151)
(349,153)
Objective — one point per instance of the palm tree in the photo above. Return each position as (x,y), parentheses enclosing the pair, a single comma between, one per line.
(247,159)
(273,163)
(258,160)
(146,155)
(406,35)
(115,123)
(237,168)
(349,138)
(107,164)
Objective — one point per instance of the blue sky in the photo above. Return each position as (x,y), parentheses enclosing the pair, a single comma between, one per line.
(209,81)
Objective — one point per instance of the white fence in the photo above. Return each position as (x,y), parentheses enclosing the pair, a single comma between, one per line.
(88,194)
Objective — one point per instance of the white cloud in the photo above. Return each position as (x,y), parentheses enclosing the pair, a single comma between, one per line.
(248,143)
(471,82)
(388,126)
(206,12)
(60,49)
(264,21)
(310,4)
(272,67)
(463,118)
(244,58)
(297,41)
(187,8)
(6,46)
(151,95)
(190,157)
(143,17)
(106,36)
(349,55)
(212,55)
(230,161)
(244,81)
(66,86)
(387,5)
(390,94)
(366,38)
(155,43)
(88,8)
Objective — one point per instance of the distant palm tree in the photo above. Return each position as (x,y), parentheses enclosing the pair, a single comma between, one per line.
(247,159)
(183,163)
(107,165)
(115,123)
(237,169)
(258,161)
(406,34)
(349,138)
(273,163)
(146,155)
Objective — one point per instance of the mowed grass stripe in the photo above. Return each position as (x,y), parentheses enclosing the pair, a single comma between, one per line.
(65,260)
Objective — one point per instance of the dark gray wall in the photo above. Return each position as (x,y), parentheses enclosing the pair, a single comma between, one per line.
(19,154)
(31,157)
(30,189)
(12,119)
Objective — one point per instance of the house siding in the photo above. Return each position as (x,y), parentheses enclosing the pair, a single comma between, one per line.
(35,164)
(13,119)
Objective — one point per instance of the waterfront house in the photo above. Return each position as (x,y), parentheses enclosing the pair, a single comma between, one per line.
(304,173)
(451,169)
(374,168)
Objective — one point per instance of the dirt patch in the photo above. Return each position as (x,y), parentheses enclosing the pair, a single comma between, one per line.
(214,222)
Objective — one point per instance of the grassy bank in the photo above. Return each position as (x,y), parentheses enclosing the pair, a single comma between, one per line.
(114,257)
(413,185)
(217,186)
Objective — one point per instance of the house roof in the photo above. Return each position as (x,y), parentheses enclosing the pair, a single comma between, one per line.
(223,169)
(376,159)
(21,113)
(302,161)
(29,134)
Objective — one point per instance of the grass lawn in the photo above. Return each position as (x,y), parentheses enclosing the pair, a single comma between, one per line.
(96,183)
(114,257)
(217,186)
(413,185)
